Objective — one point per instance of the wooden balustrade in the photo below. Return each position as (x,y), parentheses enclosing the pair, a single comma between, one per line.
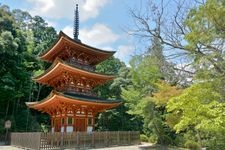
(43,141)
(81,64)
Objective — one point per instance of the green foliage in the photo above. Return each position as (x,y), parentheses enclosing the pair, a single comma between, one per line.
(44,128)
(143,138)
(153,138)
(110,66)
(116,119)
(7,22)
(131,97)
(206,37)
(164,93)
(148,94)
(199,108)
(144,73)
(18,64)
(207,115)
(192,145)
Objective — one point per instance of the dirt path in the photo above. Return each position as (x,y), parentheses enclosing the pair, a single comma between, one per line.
(133,147)
(9,148)
(111,148)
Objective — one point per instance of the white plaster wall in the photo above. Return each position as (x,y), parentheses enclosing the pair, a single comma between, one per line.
(89,129)
(69,129)
(62,129)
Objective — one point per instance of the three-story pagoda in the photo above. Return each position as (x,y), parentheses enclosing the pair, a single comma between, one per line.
(72,105)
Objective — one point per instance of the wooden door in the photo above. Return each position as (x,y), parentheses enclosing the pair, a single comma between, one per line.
(80,124)
(58,125)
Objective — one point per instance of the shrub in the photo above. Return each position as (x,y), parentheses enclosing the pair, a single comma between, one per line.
(153,138)
(179,140)
(143,138)
(192,145)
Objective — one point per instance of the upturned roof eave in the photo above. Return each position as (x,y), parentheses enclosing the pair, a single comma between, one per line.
(63,35)
(32,104)
(57,63)
(74,99)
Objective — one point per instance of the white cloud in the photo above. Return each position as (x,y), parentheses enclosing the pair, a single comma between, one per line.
(124,52)
(51,23)
(65,9)
(108,48)
(91,8)
(68,30)
(99,35)
(42,6)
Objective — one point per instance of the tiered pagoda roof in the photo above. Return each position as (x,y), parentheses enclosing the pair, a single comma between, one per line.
(73,62)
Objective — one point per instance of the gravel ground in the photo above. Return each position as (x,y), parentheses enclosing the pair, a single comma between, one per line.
(111,148)
(136,147)
(133,147)
(9,148)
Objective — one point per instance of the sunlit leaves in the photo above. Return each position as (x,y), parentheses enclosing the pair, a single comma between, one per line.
(200,107)
(164,93)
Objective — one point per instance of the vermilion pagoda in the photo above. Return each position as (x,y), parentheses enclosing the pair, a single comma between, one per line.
(71,105)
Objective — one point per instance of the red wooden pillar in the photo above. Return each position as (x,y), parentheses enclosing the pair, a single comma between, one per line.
(86,120)
(65,122)
(93,123)
(93,120)
(63,125)
(52,123)
(74,120)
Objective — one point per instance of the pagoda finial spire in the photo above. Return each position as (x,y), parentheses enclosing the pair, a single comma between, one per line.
(76,23)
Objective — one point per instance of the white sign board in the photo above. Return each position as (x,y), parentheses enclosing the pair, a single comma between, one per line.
(8,124)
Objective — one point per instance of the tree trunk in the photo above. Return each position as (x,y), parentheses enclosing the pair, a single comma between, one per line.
(39,90)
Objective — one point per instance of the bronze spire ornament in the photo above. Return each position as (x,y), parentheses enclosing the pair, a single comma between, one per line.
(76,24)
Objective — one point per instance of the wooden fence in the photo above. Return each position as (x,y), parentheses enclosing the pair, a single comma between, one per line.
(74,140)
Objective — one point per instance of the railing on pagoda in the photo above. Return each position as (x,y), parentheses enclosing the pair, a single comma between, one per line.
(81,64)
(78,90)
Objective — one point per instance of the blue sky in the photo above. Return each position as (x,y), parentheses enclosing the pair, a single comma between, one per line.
(102,22)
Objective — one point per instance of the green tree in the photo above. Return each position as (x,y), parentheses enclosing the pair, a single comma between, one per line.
(15,80)
(148,94)
(23,19)
(194,33)
(44,36)
(200,109)
(115,119)
(205,41)
(18,64)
